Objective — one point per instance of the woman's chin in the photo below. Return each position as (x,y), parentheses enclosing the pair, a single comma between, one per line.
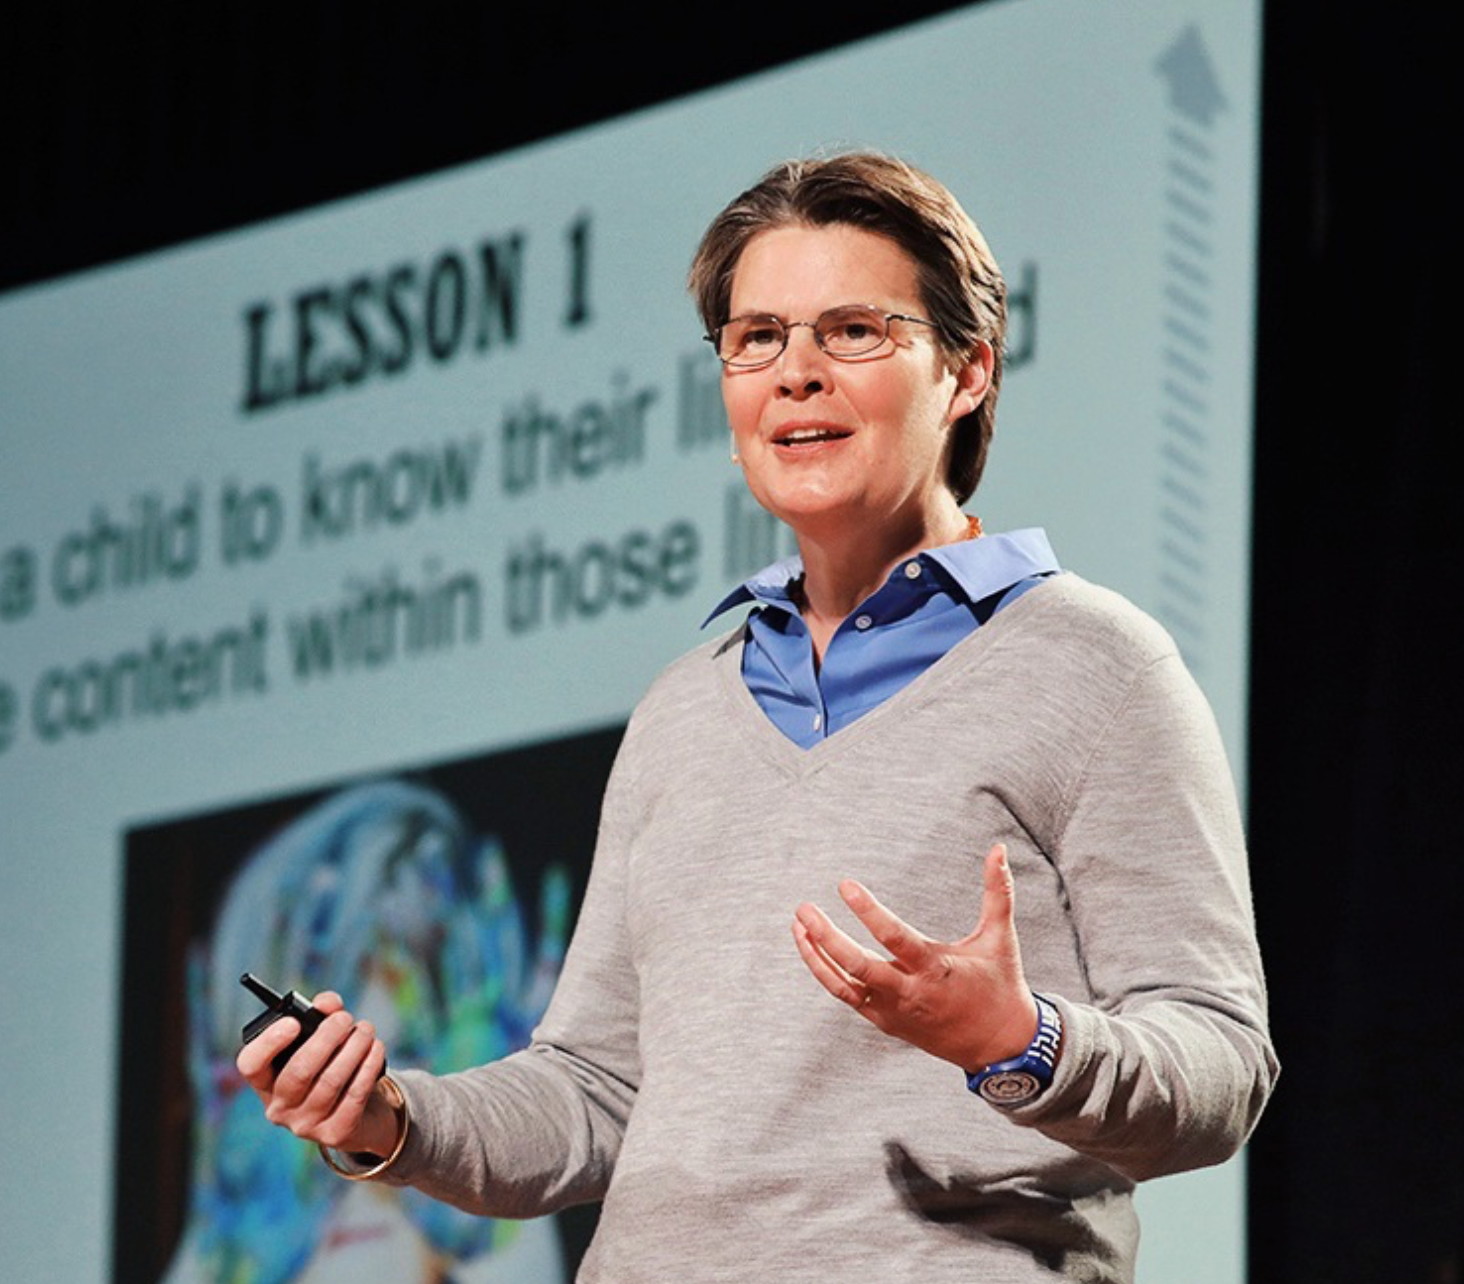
(814,511)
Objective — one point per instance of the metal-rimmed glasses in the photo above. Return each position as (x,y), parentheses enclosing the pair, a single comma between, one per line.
(845,333)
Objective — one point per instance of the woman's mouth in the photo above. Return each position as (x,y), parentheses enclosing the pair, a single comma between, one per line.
(812,435)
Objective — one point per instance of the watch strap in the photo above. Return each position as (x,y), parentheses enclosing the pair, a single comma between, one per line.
(1020,1079)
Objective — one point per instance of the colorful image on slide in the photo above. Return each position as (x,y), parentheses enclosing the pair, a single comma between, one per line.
(439,903)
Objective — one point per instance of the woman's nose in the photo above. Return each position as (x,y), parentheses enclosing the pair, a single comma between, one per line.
(802,365)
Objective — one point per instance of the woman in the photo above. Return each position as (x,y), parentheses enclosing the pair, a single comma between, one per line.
(904,694)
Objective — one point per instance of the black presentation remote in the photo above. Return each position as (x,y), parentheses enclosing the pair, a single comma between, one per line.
(277,1006)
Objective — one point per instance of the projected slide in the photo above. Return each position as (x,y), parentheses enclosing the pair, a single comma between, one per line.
(441,899)
(372,523)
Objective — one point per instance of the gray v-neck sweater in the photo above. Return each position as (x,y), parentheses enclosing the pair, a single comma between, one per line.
(742,1125)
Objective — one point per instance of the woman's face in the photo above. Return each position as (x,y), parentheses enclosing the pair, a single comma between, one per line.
(830,446)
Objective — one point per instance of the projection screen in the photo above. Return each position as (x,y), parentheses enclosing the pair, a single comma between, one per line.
(402,501)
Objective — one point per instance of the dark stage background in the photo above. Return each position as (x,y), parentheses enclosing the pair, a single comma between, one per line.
(142,127)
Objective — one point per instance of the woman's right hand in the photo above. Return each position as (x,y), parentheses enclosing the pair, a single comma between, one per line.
(327,1090)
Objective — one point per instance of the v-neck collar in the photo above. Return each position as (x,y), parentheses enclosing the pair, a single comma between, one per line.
(794,760)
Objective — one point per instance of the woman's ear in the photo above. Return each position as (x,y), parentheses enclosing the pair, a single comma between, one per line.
(973,380)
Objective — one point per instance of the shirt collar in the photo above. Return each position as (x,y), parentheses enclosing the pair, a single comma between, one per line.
(979,568)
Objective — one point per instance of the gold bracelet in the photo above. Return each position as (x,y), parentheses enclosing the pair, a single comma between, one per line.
(404,1124)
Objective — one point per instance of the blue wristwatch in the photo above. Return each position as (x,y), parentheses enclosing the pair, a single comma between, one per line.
(1019,1080)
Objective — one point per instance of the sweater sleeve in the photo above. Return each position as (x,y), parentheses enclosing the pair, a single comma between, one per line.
(541,1129)
(1166,1061)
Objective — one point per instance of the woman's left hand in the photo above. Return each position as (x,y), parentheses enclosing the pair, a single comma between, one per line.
(965,1001)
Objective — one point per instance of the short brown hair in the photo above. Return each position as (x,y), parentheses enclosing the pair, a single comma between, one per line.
(960,284)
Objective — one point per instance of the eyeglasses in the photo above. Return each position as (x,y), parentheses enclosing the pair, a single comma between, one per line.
(855,330)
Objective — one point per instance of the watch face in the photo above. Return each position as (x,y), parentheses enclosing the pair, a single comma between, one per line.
(1010,1087)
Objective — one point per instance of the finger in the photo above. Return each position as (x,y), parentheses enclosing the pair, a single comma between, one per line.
(363,1084)
(296,1081)
(911,947)
(862,966)
(827,974)
(253,1061)
(340,1126)
(327,1001)
(998,892)
(336,1078)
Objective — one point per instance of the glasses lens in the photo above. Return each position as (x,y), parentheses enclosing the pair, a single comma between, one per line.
(751,341)
(848,332)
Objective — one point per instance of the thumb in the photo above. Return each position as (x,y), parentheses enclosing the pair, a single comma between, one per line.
(998,893)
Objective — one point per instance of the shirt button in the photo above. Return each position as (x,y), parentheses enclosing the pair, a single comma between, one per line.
(818,722)
(863,622)
(912,570)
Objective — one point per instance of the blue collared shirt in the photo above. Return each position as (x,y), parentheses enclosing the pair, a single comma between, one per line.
(930,602)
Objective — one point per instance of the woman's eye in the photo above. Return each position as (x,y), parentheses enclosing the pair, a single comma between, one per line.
(852,330)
